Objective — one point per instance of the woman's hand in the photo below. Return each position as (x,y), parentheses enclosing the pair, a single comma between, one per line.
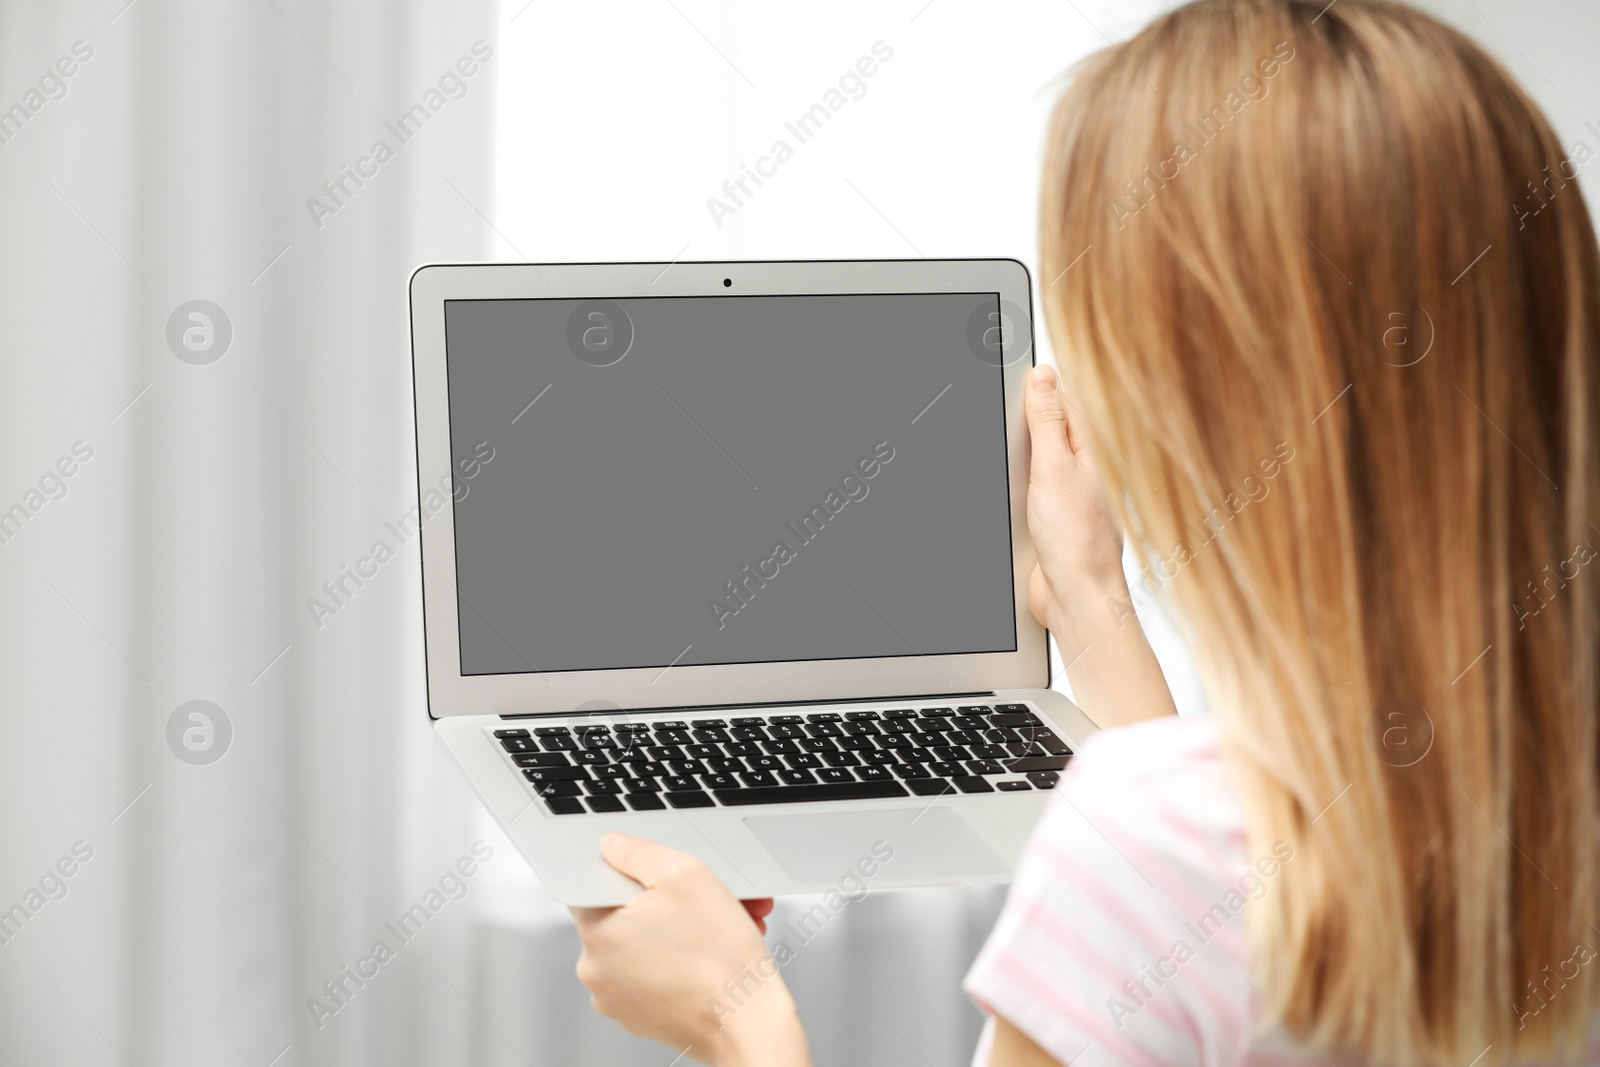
(683,963)
(1077,590)
(1078,544)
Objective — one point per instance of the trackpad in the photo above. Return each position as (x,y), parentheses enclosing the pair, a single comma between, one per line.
(935,844)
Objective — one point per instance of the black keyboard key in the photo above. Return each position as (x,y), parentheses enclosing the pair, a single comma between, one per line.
(603,787)
(652,769)
(878,759)
(803,760)
(823,716)
(671,724)
(696,799)
(969,722)
(590,757)
(909,771)
(710,724)
(711,737)
(758,778)
(555,774)
(930,787)
(899,726)
(642,785)
(900,713)
(857,744)
(671,737)
(791,732)
(558,743)
(894,741)
(1010,708)
(937,713)
(596,741)
(644,802)
(742,748)
(687,766)
(818,744)
(794,777)
(984,766)
(719,781)
(860,716)
(749,733)
(764,763)
(541,759)
(558,789)
(703,751)
(1038,763)
(841,759)
(951,752)
(665,752)
(612,771)
(511,733)
(792,794)
(1024,719)
(631,754)
(725,765)
(972,784)
(787,720)
(947,768)
(604,804)
(749,720)
(552,731)
(990,752)
(824,729)
(874,774)
(964,737)
(835,775)
(564,805)
(861,729)
(1044,779)
(975,709)
(1016,785)
(518,744)
(780,748)
(633,728)
(916,755)
(679,783)
(1053,744)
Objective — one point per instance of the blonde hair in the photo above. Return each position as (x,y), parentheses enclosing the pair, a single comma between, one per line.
(1344,235)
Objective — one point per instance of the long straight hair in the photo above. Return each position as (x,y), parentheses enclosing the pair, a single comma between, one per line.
(1324,291)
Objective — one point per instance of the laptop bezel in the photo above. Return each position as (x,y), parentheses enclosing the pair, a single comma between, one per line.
(451,693)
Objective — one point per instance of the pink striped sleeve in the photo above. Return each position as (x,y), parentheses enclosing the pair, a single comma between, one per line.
(1097,956)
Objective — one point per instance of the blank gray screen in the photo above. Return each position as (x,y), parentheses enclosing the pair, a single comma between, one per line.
(746,479)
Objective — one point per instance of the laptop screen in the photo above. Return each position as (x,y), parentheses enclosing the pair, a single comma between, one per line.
(667,481)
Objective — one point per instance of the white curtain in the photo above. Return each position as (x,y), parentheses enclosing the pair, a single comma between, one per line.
(175,163)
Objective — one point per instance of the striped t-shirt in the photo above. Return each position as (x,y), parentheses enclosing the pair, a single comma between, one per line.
(1122,943)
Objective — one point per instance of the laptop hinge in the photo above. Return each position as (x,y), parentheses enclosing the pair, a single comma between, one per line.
(898,698)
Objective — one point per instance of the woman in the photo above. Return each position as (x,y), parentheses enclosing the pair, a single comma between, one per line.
(1330,352)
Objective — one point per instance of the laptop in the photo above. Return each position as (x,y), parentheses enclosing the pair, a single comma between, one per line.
(734,556)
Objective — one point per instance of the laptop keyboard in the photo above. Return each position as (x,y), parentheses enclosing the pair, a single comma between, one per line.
(787,758)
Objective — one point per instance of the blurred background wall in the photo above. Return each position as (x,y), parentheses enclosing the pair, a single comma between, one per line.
(187,484)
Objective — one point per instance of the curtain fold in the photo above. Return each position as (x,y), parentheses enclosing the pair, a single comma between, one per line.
(236,462)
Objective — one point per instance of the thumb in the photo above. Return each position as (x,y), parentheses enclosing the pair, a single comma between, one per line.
(1046,410)
(640,859)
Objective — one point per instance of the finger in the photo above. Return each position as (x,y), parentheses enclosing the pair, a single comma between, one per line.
(584,918)
(642,860)
(759,907)
(1047,424)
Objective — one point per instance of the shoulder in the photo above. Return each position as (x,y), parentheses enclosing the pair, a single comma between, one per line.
(1123,934)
